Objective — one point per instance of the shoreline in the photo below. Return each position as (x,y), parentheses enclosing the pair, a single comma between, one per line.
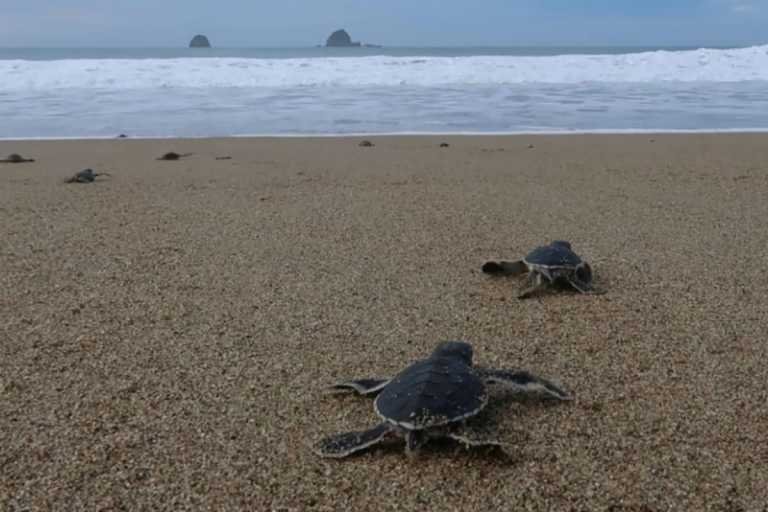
(555,133)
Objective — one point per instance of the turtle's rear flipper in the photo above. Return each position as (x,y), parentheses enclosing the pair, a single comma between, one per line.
(414,440)
(361,386)
(585,288)
(525,383)
(475,435)
(343,445)
(505,268)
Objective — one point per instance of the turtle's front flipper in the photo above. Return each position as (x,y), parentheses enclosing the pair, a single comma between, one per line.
(342,445)
(505,268)
(414,440)
(361,386)
(581,281)
(525,383)
(536,283)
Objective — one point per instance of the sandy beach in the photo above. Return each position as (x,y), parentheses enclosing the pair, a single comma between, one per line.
(166,332)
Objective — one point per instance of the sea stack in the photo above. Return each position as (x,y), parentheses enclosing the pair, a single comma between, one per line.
(340,38)
(199,41)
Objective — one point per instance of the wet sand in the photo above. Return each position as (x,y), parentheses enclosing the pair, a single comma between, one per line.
(166,332)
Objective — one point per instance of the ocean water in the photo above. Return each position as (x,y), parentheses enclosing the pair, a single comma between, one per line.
(180,92)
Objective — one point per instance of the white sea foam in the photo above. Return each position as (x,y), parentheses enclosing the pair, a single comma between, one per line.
(196,97)
(704,65)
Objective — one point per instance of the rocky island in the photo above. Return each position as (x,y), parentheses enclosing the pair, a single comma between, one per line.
(199,41)
(341,39)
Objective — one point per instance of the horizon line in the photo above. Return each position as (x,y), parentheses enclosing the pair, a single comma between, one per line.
(385,46)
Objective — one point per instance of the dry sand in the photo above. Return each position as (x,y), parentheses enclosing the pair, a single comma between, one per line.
(166,333)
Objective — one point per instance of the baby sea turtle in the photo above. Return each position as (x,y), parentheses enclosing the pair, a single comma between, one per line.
(444,145)
(549,265)
(433,398)
(86,176)
(365,144)
(15,158)
(173,156)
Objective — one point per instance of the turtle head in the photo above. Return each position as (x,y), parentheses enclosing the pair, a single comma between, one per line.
(562,243)
(584,273)
(455,349)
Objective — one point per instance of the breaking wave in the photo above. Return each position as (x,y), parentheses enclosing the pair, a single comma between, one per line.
(703,65)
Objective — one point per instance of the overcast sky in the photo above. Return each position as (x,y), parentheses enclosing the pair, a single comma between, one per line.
(169,23)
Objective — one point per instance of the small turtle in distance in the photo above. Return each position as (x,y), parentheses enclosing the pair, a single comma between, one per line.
(433,398)
(15,158)
(86,176)
(550,265)
(366,144)
(171,156)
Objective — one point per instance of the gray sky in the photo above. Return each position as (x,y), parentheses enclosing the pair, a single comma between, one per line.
(169,23)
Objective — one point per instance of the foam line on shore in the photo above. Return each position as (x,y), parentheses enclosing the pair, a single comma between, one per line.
(401,134)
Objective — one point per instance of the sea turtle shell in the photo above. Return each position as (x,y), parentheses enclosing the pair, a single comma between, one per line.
(431,393)
(84,176)
(556,254)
